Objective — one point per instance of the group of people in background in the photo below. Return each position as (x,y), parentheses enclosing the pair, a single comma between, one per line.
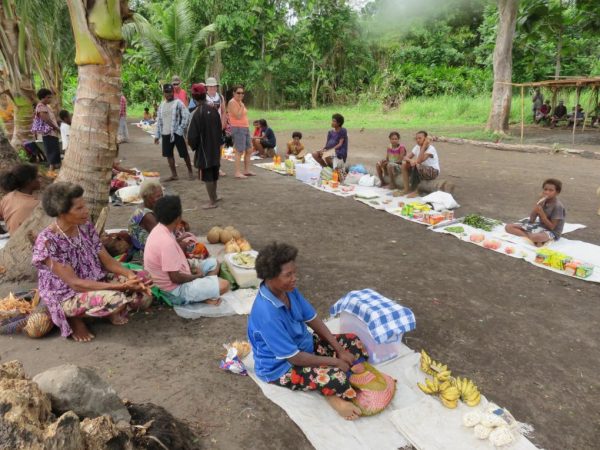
(543,113)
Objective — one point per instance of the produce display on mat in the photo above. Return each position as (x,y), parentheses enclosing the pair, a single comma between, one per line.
(560,261)
(244,260)
(477,221)
(495,424)
(231,237)
(448,388)
(455,229)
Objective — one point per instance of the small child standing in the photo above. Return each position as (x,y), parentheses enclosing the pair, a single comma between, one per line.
(65,128)
(551,214)
(391,165)
(295,147)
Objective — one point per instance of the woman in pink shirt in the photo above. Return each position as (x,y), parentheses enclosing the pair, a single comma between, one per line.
(238,119)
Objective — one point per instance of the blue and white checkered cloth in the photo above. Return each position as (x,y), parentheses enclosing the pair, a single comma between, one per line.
(385,319)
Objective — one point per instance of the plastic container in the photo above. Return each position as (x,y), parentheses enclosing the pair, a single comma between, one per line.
(129,194)
(378,353)
(304,172)
(245,278)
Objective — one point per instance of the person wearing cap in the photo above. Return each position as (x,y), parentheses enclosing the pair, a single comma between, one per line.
(238,119)
(172,121)
(204,136)
(177,91)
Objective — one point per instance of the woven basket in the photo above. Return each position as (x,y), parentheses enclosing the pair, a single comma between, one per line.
(39,322)
(374,390)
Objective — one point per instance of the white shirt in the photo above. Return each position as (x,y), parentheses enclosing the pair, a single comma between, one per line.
(167,117)
(433,161)
(65,131)
(214,101)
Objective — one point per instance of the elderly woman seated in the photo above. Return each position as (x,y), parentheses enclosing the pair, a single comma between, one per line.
(77,276)
(191,281)
(143,219)
(285,352)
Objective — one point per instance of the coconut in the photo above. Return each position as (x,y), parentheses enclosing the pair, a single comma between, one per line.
(214,235)
(236,234)
(230,228)
(225,236)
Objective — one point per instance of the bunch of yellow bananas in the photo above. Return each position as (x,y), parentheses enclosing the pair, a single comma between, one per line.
(469,393)
(447,392)
(435,369)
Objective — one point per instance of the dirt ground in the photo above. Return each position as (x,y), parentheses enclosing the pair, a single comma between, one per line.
(528,337)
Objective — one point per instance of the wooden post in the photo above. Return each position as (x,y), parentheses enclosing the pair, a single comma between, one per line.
(577,92)
(522,112)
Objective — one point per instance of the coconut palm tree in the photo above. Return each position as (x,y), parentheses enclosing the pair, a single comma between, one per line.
(176,45)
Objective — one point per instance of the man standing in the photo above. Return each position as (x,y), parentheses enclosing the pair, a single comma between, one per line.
(537,102)
(215,99)
(123,134)
(178,92)
(204,136)
(172,120)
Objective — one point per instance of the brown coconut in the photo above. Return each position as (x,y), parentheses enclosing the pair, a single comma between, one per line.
(225,236)
(214,235)
(236,234)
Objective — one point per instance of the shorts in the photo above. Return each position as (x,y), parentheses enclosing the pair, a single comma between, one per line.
(168,146)
(52,149)
(422,173)
(200,289)
(396,167)
(536,227)
(241,139)
(210,174)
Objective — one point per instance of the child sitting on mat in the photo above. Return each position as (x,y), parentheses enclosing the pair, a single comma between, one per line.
(391,165)
(295,147)
(551,214)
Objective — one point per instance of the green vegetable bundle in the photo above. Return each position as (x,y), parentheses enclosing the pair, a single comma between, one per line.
(456,229)
(483,223)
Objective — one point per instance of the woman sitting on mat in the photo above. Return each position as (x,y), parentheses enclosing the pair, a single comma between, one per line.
(143,219)
(286,353)
(76,275)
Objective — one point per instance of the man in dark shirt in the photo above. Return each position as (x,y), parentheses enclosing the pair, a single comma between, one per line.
(560,113)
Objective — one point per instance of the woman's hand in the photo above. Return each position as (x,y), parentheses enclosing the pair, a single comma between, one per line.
(346,356)
(341,364)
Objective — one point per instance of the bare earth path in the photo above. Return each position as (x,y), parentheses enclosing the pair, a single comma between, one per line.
(528,337)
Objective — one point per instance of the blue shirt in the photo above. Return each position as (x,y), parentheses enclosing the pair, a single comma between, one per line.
(334,138)
(277,333)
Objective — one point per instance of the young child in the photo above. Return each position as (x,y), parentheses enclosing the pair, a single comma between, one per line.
(295,147)
(551,214)
(65,128)
(392,164)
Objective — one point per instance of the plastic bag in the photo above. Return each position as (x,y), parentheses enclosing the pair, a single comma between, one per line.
(232,363)
(367,180)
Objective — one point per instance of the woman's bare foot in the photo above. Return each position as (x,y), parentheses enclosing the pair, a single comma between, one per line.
(118,318)
(81,333)
(213,301)
(344,408)
(250,174)
(413,194)
(240,176)
(222,174)
(210,206)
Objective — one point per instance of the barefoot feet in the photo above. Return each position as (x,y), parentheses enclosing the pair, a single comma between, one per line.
(81,333)
(344,408)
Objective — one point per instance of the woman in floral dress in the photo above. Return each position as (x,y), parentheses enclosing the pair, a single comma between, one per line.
(76,275)
(286,353)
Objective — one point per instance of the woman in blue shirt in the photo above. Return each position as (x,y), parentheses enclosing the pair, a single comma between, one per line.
(266,142)
(286,353)
(337,140)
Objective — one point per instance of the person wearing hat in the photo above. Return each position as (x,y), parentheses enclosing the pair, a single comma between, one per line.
(177,91)
(204,136)
(172,121)
(214,99)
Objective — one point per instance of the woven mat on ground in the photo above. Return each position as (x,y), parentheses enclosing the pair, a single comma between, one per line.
(237,302)
(524,249)
(326,430)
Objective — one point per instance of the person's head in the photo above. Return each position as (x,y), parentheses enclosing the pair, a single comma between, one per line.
(147,110)
(296,136)
(394,137)
(44,95)
(552,187)
(263,123)
(65,116)
(21,177)
(239,92)
(176,81)
(337,121)
(276,264)
(420,137)
(211,86)
(256,124)
(561,102)
(199,92)
(151,192)
(168,92)
(65,201)
(168,210)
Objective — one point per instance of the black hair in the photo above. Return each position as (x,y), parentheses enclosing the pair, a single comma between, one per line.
(394,133)
(168,209)
(554,182)
(255,121)
(58,198)
(339,119)
(272,257)
(18,177)
(424,133)
(296,134)
(263,123)
(63,114)
(199,97)
(147,109)
(43,93)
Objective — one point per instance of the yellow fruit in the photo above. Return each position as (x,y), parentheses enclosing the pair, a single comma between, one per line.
(214,235)
(225,236)
(450,394)
(449,403)
(424,388)
(474,401)
(443,376)
(244,245)
(232,247)
(445,385)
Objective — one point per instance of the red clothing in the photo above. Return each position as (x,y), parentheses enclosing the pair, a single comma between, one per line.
(181,95)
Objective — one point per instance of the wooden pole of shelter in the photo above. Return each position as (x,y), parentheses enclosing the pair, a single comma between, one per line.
(522,112)
(578,91)
(587,111)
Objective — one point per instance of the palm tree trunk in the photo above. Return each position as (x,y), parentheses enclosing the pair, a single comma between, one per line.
(23,115)
(8,155)
(502,92)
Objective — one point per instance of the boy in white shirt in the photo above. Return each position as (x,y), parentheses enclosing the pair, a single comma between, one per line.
(422,163)
(65,128)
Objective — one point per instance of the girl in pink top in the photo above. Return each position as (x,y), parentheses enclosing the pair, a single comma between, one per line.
(238,119)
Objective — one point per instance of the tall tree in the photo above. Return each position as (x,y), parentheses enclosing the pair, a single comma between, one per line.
(502,91)
(15,55)
(93,140)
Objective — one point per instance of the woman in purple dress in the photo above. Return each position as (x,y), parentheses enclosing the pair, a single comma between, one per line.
(336,147)
(76,275)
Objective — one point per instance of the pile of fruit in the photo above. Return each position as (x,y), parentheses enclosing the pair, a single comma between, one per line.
(232,238)
(448,388)
(495,424)
(477,221)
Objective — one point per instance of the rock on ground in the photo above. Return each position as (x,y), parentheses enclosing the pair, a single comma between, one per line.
(81,390)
